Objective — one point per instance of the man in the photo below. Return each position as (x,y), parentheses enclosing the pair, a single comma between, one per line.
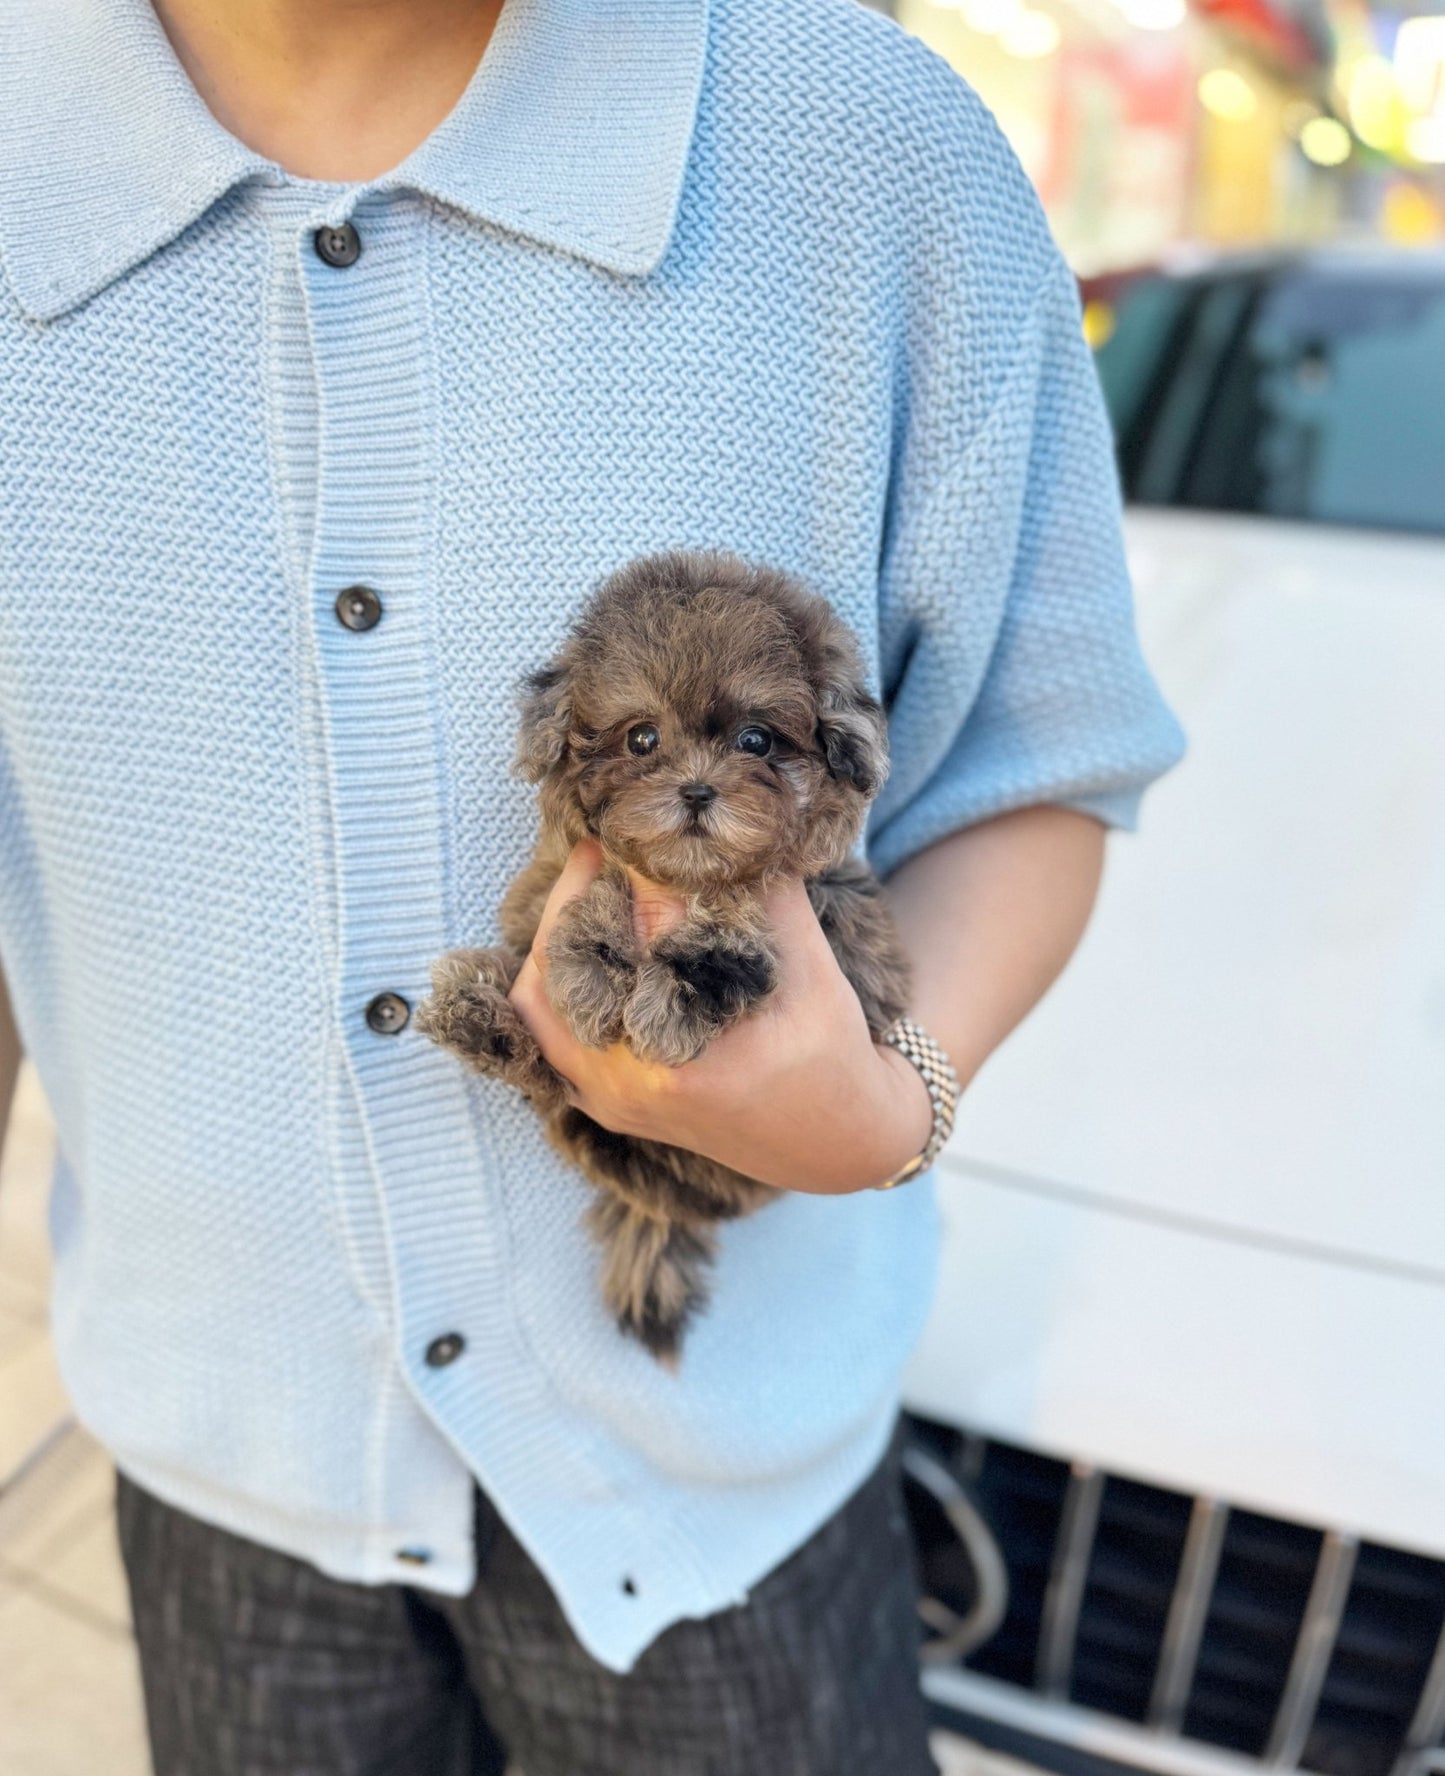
(345,345)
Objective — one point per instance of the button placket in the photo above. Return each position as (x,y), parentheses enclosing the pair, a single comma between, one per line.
(373,541)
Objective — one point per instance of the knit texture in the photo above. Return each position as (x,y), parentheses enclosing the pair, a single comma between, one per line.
(762,276)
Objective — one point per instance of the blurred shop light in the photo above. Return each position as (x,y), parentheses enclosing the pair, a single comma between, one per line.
(996,18)
(1153,15)
(1226,94)
(1373,102)
(1325,141)
(1425,138)
(1420,81)
(1029,35)
(1420,64)
(1098,322)
(988,17)
(1022,31)
(1410,216)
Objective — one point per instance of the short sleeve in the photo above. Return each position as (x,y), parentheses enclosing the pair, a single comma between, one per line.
(1011,668)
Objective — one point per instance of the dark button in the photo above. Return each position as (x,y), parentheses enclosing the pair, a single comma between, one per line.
(388,1013)
(445,1349)
(338,246)
(413,1556)
(358,607)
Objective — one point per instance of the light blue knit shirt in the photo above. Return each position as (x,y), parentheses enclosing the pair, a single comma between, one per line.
(753,274)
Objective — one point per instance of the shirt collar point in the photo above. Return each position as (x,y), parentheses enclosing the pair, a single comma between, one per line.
(575,132)
(49,277)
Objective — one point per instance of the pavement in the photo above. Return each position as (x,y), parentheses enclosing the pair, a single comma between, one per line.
(69,1687)
(70,1702)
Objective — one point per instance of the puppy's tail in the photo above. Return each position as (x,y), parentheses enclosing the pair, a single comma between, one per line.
(653,1272)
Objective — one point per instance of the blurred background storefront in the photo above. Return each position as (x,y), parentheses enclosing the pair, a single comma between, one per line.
(1150,124)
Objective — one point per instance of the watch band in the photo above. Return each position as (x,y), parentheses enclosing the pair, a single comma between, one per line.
(915,1045)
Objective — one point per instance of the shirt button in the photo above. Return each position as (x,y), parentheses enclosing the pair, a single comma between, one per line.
(413,1556)
(388,1013)
(338,246)
(358,607)
(445,1349)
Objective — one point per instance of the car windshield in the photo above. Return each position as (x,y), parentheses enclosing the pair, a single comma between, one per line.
(1312,393)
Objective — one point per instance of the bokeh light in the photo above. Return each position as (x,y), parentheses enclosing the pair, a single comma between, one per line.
(1325,141)
(1225,93)
(1030,34)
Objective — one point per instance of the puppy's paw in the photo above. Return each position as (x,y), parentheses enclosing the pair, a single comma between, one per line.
(723,974)
(589,980)
(470,1014)
(592,960)
(693,984)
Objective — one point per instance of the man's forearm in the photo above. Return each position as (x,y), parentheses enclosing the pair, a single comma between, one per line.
(9,1060)
(989,917)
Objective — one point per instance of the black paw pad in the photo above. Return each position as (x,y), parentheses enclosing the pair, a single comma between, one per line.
(726,981)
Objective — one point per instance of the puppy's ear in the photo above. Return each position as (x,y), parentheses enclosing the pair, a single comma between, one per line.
(546,717)
(854,735)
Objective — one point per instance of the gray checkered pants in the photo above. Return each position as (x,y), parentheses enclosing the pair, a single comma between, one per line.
(255,1664)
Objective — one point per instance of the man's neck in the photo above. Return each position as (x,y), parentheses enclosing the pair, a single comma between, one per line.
(330,89)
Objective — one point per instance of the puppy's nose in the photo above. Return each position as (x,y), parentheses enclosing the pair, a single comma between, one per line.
(698,795)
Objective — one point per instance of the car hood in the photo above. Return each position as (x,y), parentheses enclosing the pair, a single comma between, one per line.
(1252,1036)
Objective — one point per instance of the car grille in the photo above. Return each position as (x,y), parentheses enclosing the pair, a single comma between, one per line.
(1189,1625)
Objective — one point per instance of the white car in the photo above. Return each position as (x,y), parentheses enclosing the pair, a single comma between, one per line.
(1183,1392)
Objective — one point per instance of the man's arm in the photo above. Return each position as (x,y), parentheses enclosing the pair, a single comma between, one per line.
(799,1095)
(989,917)
(9,1060)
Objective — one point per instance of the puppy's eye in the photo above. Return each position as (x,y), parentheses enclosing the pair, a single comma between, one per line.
(757,741)
(642,739)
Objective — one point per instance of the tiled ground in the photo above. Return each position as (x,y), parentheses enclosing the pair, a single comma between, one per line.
(69,1691)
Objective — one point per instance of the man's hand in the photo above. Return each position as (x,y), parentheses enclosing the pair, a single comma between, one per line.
(797,1094)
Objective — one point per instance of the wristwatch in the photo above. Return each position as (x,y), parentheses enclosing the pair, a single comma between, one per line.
(915,1045)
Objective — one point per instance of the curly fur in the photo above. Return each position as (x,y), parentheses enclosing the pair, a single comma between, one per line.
(697,648)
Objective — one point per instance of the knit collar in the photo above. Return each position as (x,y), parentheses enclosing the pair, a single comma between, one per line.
(573,132)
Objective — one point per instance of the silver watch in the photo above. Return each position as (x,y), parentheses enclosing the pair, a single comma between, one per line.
(915,1044)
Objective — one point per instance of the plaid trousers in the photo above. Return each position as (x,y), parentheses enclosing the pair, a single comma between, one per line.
(255,1664)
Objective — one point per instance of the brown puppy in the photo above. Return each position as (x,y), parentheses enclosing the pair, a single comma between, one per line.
(707,722)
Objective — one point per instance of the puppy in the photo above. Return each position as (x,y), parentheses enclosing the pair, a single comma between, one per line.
(707,722)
